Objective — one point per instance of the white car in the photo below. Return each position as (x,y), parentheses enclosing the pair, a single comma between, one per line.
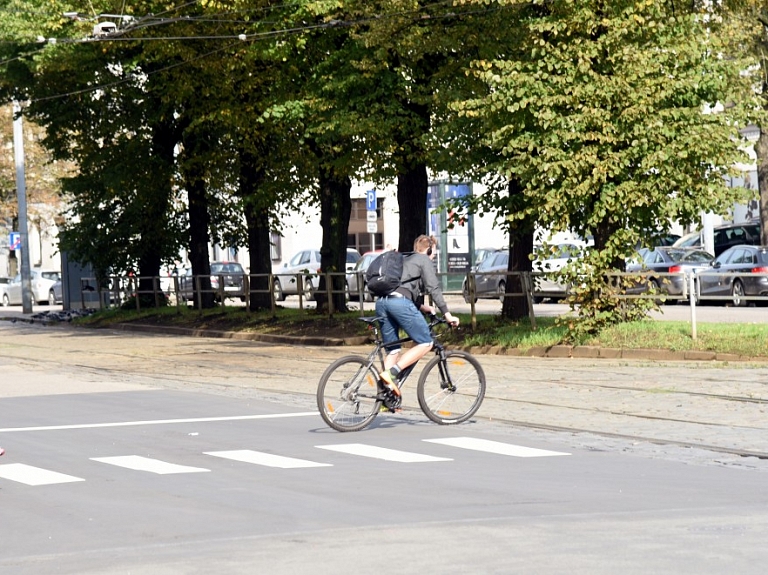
(547,264)
(305,262)
(42,282)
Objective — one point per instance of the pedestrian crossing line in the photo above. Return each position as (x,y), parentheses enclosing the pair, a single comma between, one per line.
(30,475)
(382,453)
(497,447)
(139,463)
(159,422)
(266,459)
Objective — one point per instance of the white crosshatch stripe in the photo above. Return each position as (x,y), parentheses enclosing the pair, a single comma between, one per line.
(497,447)
(267,459)
(382,453)
(139,463)
(29,475)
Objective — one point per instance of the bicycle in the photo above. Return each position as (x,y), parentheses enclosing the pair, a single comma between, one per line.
(350,397)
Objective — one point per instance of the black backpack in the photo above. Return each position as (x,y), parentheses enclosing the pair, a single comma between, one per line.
(385,272)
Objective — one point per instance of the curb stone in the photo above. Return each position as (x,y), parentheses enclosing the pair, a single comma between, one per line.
(555,351)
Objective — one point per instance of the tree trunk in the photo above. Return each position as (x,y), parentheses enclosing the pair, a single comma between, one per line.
(761,150)
(153,229)
(335,211)
(520,248)
(257,222)
(199,222)
(412,202)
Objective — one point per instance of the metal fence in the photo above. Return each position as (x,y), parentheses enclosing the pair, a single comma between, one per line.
(663,287)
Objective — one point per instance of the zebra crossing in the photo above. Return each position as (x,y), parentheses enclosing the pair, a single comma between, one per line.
(36,476)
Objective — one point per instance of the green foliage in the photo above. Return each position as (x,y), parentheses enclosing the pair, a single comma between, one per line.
(603,113)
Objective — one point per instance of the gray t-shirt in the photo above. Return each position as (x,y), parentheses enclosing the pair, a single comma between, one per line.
(418,278)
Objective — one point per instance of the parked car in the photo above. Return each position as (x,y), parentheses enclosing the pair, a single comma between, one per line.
(490,277)
(736,234)
(481,254)
(41,281)
(751,262)
(232,273)
(305,262)
(3,287)
(55,294)
(356,277)
(690,240)
(547,264)
(725,236)
(667,260)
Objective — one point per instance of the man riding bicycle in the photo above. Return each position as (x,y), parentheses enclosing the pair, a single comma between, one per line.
(401,310)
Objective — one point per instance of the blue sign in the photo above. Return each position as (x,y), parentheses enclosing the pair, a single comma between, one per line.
(14,239)
(370,200)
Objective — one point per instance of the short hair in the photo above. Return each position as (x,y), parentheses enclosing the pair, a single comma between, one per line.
(424,242)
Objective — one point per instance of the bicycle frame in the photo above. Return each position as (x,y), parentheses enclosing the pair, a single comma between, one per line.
(380,347)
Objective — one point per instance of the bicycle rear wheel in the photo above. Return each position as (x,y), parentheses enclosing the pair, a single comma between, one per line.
(451,392)
(346,394)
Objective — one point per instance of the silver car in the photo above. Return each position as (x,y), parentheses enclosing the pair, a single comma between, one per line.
(42,282)
(356,278)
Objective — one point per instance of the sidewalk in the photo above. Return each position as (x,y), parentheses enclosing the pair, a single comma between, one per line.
(717,405)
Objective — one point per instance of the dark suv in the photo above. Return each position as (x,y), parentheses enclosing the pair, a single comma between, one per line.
(729,235)
(747,233)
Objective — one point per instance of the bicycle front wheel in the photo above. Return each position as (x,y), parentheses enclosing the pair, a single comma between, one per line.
(451,392)
(346,394)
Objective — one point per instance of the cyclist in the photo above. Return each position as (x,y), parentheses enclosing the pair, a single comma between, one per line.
(400,310)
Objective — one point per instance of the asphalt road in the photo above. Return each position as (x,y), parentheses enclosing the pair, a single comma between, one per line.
(156,481)
(157,454)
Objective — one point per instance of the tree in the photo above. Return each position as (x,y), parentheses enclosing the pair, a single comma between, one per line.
(604,121)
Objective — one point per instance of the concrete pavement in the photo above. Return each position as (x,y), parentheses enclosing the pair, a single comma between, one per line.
(718,406)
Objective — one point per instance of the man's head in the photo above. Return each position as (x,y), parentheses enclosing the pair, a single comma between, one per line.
(424,244)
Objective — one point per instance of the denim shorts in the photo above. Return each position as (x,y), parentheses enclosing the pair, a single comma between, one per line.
(401,313)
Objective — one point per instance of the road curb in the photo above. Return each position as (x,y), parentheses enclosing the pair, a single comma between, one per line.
(555,351)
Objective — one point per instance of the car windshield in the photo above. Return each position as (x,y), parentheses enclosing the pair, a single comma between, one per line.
(697,256)
(688,256)
(226,269)
(51,275)
(352,257)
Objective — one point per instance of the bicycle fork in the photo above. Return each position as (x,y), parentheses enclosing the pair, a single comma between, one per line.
(445,378)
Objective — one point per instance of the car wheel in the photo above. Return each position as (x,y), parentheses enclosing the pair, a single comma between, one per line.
(51,298)
(6,300)
(277,290)
(465,293)
(653,286)
(737,293)
(501,291)
(309,290)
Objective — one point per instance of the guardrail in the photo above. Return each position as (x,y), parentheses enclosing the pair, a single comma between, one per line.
(663,287)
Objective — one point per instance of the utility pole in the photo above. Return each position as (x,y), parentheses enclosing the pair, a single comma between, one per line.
(21,196)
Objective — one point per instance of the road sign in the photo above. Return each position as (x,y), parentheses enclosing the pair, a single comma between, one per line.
(371,216)
(14,239)
(373,227)
(370,200)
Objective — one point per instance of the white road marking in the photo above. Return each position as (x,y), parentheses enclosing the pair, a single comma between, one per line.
(140,463)
(495,447)
(30,475)
(158,422)
(267,459)
(382,453)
